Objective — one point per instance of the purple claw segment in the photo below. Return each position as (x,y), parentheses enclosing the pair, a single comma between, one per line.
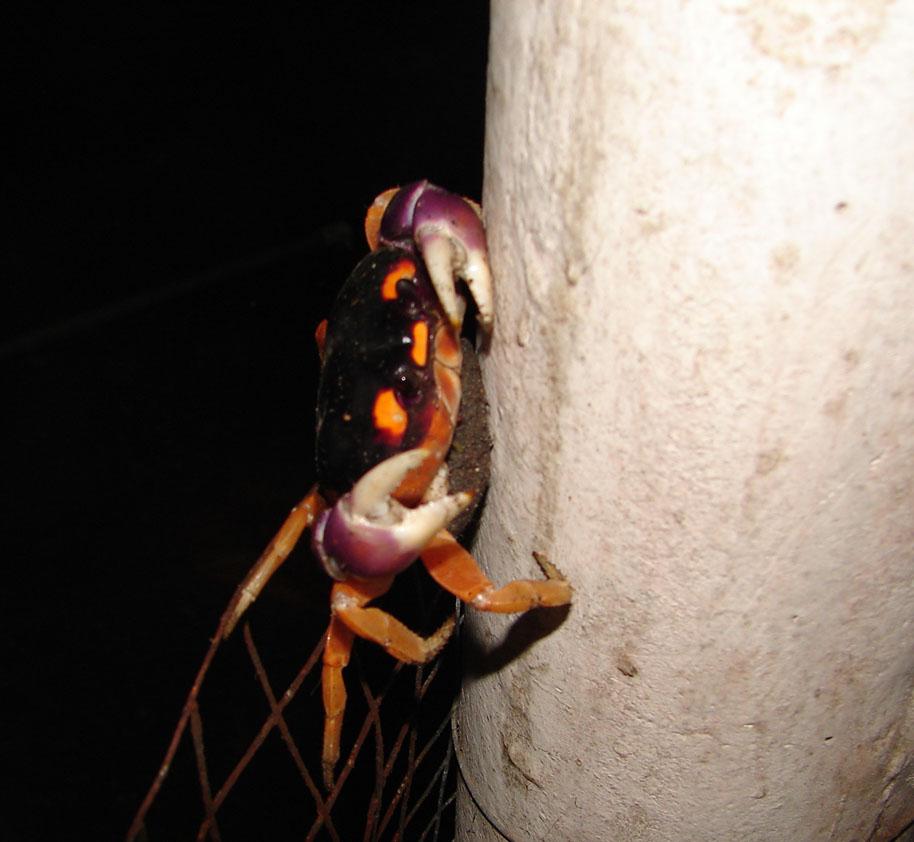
(397,222)
(451,238)
(369,534)
(360,549)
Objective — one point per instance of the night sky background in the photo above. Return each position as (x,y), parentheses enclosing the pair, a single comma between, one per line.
(187,188)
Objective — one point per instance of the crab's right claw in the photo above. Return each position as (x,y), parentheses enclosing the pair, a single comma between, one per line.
(369,534)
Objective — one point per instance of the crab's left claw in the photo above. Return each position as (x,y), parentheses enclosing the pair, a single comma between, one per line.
(369,534)
(450,236)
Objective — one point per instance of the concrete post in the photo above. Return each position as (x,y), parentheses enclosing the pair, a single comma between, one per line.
(701,219)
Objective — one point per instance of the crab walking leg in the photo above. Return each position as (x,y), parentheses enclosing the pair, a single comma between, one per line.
(337,646)
(350,618)
(284,541)
(452,567)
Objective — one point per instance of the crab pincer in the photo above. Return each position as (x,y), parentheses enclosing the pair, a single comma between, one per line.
(448,232)
(368,533)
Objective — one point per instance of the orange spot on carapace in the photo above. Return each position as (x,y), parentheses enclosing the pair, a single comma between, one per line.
(389,417)
(401,270)
(419,351)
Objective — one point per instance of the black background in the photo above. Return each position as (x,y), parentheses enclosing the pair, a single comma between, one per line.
(187,186)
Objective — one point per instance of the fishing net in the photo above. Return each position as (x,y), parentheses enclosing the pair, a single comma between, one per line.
(244,761)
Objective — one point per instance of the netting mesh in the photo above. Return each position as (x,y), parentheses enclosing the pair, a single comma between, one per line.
(244,760)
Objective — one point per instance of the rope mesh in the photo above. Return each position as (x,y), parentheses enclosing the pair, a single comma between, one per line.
(244,760)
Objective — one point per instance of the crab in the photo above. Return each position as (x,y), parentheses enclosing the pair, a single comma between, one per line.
(387,407)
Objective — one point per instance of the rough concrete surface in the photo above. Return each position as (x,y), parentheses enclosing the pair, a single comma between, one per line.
(701,220)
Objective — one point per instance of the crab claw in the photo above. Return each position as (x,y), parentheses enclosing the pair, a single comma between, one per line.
(450,236)
(368,533)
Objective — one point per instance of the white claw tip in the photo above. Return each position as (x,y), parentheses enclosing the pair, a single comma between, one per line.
(419,525)
(373,489)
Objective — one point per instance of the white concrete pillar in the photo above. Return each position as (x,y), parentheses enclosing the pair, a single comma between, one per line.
(701,218)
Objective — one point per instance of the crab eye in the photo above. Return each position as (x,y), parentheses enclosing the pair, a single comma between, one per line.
(407,383)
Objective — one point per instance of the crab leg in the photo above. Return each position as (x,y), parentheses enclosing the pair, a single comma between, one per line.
(452,567)
(350,618)
(284,541)
(337,647)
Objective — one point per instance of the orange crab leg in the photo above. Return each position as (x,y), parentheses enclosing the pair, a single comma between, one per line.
(320,337)
(337,646)
(350,618)
(374,214)
(452,567)
(284,541)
